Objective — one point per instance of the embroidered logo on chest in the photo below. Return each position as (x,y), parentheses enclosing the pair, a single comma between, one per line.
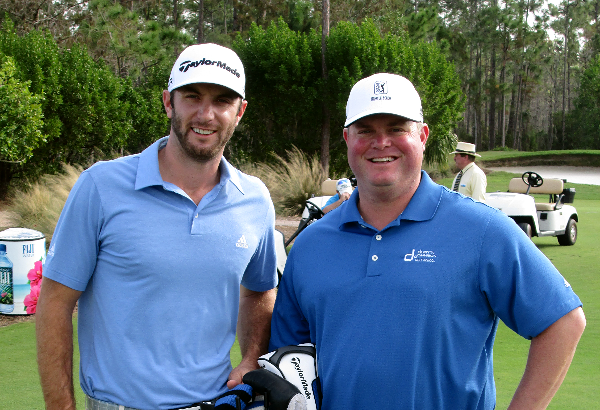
(420,256)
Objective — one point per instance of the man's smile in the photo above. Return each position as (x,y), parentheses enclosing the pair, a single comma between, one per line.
(201,131)
(382,159)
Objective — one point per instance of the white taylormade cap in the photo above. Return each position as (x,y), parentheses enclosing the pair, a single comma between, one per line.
(383,93)
(208,63)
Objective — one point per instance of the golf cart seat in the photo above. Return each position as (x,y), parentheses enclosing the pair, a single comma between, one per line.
(551,186)
(328,187)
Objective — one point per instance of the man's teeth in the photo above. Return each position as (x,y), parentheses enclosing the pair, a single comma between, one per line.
(386,159)
(201,131)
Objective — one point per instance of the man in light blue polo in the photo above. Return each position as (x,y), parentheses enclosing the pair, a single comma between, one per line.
(168,252)
(401,287)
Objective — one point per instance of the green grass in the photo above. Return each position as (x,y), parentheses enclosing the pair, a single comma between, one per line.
(19,382)
(579,265)
(509,154)
(20,388)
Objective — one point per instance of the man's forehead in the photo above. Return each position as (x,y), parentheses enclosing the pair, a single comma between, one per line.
(388,119)
(215,89)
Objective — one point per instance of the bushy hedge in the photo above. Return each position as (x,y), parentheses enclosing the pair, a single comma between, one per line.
(87,110)
(285,88)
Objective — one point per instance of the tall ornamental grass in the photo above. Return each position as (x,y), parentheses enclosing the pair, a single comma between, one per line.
(38,205)
(290,180)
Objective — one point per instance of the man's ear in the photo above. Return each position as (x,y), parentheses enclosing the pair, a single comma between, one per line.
(167,102)
(241,111)
(424,134)
(346,135)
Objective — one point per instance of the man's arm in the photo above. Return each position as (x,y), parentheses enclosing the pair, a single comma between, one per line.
(54,333)
(550,356)
(254,330)
(342,197)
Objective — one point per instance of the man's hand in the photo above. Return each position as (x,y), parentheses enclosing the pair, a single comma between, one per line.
(344,196)
(236,375)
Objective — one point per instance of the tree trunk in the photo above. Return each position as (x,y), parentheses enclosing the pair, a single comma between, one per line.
(564,106)
(479,100)
(493,93)
(200,38)
(325,128)
(176,24)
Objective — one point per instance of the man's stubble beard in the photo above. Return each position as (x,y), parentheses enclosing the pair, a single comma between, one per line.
(199,154)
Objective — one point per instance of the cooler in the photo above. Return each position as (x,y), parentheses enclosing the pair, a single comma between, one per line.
(24,247)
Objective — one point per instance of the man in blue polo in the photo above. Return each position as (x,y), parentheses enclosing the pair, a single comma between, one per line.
(401,287)
(162,249)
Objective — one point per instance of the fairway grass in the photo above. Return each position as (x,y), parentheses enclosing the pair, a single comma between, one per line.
(579,264)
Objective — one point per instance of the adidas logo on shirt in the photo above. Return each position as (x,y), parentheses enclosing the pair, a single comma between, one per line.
(241,243)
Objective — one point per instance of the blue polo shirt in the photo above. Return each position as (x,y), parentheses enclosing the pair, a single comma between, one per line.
(406,317)
(160,277)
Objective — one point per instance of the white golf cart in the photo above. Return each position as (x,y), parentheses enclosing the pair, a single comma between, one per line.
(552,218)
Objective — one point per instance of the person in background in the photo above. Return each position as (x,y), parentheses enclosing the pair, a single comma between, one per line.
(470,180)
(167,252)
(402,287)
(343,190)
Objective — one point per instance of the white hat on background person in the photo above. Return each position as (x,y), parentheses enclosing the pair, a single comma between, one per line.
(383,93)
(465,148)
(343,185)
(211,64)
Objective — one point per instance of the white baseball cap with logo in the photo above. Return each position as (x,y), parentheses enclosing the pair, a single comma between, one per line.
(383,93)
(209,63)
(343,185)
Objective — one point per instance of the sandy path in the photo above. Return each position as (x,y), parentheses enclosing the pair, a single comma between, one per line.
(577,175)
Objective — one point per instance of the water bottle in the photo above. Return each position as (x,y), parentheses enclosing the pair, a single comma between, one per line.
(6,282)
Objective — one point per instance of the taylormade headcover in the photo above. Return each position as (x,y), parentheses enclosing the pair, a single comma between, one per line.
(298,365)
(279,394)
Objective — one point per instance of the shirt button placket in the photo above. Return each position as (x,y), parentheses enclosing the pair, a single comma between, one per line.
(373,268)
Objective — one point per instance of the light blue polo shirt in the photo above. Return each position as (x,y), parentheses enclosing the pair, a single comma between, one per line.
(161,277)
(405,317)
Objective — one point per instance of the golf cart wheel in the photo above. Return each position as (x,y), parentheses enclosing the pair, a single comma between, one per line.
(526,227)
(570,236)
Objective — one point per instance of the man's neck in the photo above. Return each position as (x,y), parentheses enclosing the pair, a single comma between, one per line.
(195,178)
(380,207)
(468,166)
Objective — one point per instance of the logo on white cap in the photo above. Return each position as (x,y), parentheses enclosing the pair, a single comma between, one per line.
(383,93)
(208,63)
(380,87)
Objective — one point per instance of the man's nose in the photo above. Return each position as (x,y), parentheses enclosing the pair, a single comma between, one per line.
(380,140)
(204,111)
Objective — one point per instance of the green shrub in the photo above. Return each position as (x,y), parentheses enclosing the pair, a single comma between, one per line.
(20,122)
(20,115)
